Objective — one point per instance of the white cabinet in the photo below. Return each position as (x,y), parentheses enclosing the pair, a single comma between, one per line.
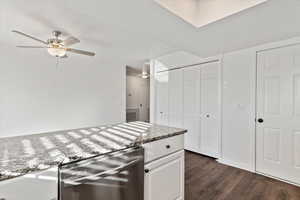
(164,169)
(164,178)
(35,186)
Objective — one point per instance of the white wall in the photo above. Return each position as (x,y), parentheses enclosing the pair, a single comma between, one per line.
(238,103)
(239,108)
(137,92)
(36,96)
(238,114)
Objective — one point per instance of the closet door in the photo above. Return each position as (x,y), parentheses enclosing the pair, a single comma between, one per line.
(176,98)
(191,108)
(162,98)
(202,108)
(210,108)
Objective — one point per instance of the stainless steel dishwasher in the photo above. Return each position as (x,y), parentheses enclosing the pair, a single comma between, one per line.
(114,176)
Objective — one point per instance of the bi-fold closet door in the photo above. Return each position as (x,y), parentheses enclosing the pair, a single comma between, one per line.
(169,98)
(162,98)
(202,108)
(190,98)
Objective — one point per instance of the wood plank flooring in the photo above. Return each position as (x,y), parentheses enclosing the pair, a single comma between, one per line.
(206,179)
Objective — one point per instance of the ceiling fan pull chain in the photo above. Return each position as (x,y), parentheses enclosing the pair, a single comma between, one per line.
(57,62)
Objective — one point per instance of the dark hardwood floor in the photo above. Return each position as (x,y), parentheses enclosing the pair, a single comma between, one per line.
(207,179)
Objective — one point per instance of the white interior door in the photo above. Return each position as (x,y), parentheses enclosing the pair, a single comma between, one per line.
(176,98)
(210,108)
(162,98)
(202,108)
(191,108)
(278,113)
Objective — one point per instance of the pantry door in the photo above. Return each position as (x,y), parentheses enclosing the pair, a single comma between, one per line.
(278,113)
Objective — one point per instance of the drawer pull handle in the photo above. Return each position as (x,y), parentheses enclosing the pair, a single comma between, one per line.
(147,170)
(168,146)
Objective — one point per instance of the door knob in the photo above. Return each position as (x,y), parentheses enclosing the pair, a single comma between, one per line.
(260,120)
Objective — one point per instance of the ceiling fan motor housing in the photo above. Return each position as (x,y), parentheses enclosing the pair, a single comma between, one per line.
(57,33)
(55,41)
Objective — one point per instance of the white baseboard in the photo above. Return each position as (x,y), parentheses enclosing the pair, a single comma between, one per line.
(202,153)
(279,179)
(236,165)
(248,168)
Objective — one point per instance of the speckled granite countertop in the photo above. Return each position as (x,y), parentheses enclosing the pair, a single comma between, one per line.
(25,154)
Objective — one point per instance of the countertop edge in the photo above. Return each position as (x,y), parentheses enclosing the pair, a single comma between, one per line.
(138,143)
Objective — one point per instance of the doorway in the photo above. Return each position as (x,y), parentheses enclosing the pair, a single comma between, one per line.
(138,93)
(278,113)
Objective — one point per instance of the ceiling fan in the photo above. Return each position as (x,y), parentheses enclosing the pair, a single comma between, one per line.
(145,74)
(56,46)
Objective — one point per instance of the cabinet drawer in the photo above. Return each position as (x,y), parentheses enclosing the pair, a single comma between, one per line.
(160,148)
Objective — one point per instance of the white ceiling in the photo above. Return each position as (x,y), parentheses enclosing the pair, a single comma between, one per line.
(202,12)
(137,30)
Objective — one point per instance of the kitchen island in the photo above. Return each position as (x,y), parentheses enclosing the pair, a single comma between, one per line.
(38,156)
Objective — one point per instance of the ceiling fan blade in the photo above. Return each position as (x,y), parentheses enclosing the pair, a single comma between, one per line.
(87,53)
(33,47)
(70,41)
(29,36)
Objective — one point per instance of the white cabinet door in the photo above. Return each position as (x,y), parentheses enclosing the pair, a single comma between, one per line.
(202,108)
(35,186)
(176,98)
(278,113)
(210,109)
(165,178)
(162,98)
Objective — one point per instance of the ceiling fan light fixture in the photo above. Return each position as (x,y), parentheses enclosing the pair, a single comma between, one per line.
(57,52)
(145,76)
